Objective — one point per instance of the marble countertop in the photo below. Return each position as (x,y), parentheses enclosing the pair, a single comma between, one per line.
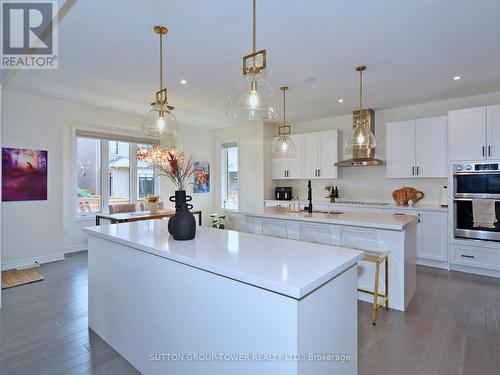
(291,268)
(356,219)
(379,205)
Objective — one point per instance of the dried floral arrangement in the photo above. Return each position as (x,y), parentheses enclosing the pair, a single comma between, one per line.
(170,162)
(152,198)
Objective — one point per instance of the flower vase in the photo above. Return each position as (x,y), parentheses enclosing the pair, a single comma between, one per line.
(182,226)
(153,207)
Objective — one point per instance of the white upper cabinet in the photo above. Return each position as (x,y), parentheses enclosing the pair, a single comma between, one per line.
(400,155)
(467,134)
(310,155)
(288,168)
(316,155)
(328,153)
(431,150)
(417,148)
(493,131)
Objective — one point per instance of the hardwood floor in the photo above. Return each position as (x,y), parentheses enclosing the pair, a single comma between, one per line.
(452,326)
(43,326)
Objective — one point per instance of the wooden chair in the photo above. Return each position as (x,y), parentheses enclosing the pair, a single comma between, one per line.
(121,208)
(144,206)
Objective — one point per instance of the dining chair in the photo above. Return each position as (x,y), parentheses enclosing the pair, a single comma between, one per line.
(122,208)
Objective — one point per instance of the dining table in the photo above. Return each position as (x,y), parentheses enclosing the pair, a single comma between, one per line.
(127,217)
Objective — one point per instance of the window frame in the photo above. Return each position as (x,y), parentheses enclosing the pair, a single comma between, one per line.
(133,141)
(224,175)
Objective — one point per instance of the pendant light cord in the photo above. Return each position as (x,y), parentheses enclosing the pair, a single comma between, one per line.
(254,26)
(360,92)
(284,108)
(161,62)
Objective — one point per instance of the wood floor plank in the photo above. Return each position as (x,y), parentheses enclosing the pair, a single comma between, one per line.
(452,326)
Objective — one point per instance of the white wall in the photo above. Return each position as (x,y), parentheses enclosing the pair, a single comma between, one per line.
(35,230)
(369,183)
(250,138)
(200,143)
(41,228)
(1,118)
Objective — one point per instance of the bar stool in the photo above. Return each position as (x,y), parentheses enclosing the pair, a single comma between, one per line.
(378,258)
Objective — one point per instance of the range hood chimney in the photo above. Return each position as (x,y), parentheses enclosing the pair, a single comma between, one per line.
(362,141)
(363,157)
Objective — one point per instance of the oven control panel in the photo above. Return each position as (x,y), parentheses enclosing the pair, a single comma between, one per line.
(476,168)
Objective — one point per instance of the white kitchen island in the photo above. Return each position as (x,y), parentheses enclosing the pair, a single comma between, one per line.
(358,230)
(223,303)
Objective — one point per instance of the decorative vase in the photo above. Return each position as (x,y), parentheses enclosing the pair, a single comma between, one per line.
(153,207)
(182,226)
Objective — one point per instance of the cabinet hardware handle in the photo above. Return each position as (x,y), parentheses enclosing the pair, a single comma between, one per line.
(489,150)
(413,171)
(417,170)
(467,256)
(319,172)
(483,152)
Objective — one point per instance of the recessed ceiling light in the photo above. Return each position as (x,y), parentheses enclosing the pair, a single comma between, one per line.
(183,81)
(340,100)
(457,78)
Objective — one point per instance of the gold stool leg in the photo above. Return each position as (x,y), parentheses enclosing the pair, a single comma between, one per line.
(387,282)
(375,294)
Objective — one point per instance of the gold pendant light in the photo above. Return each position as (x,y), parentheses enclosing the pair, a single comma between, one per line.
(283,146)
(361,138)
(161,122)
(253,98)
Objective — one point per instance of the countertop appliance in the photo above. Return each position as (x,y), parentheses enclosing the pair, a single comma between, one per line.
(283,193)
(475,181)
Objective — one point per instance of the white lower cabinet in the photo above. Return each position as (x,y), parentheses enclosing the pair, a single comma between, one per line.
(432,236)
(472,256)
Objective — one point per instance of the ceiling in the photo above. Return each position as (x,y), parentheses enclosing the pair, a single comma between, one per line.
(108,53)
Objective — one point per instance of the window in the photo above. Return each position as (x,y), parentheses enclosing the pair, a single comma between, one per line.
(145,177)
(88,167)
(108,172)
(230,178)
(119,172)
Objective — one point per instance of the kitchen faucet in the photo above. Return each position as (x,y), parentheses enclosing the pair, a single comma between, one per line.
(309,198)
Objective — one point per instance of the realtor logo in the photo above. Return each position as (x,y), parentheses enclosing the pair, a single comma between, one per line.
(29,34)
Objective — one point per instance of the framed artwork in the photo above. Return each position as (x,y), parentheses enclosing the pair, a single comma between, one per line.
(201,177)
(24,174)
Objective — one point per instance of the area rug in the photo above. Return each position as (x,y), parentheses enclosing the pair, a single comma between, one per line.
(19,277)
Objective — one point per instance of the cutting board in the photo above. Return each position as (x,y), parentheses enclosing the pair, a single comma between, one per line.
(403,195)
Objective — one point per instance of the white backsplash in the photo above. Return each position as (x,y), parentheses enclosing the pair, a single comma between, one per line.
(365,184)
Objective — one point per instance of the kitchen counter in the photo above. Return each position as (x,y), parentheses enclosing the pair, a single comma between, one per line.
(369,205)
(355,219)
(371,231)
(250,258)
(222,294)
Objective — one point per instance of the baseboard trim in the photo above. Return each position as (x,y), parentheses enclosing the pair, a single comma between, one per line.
(32,262)
(475,270)
(75,248)
(36,261)
(433,263)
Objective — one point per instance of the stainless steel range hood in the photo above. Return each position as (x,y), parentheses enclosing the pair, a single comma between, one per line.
(363,157)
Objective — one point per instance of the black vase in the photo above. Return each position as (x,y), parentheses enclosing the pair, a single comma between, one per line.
(182,226)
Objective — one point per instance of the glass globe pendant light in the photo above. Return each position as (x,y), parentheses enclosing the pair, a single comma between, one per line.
(283,146)
(253,98)
(161,122)
(362,137)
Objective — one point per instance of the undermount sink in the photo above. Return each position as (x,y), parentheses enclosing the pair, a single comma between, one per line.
(328,212)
